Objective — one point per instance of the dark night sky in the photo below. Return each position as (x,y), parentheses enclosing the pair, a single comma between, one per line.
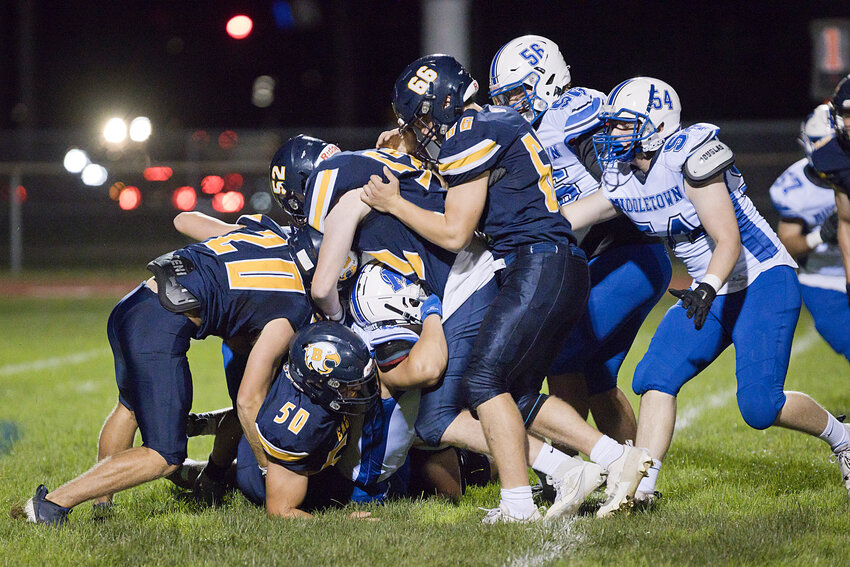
(727,60)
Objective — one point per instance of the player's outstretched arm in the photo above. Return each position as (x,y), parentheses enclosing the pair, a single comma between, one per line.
(285,492)
(340,226)
(200,226)
(591,210)
(451,230)
(715,211)
(265,358)
(426,362)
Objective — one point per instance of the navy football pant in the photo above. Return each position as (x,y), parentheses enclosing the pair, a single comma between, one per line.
(625,284)
(831,313)
(759,320)
(149,344)
(440,405)
(541,296)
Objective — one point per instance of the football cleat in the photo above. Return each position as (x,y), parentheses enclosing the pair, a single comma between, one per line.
(646,500)
(842,455)
(574,481)
(624,475)
(500,515)
(40,510)
(202,423)
(208,490)
(102,510)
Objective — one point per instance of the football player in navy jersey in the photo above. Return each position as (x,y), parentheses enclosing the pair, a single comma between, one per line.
(681,183)
(241,281)
(808,227)
(330,202)
(500,181)
(829,154)
(530,75)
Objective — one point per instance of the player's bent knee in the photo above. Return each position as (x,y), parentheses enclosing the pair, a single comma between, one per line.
(759,406)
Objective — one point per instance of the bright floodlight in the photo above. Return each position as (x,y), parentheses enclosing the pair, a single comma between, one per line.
(94,175)
(75,160)
(140,129)
(239,27)
(115,131)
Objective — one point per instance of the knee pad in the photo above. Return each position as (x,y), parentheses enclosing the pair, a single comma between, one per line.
(658,379)
(759,406)
(482,387)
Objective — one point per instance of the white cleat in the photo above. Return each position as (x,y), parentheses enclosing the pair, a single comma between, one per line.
(624,475)
(500,515)
(843,458)
(574,481)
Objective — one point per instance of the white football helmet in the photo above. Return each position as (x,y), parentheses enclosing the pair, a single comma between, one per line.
(817,126)
(648,104)
(382,296)
(530,67)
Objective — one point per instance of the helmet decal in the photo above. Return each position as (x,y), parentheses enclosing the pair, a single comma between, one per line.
(321,357)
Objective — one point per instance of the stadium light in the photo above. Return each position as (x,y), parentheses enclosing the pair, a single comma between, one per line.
(228,202)
(94,175)
(239,27)
(129,198)
(140,129)
(212,184)
(115,130)
(184,198)
(75,160)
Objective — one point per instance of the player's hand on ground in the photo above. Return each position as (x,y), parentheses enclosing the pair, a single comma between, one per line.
(697,301)
(829,229)
(361,515)
(379,194)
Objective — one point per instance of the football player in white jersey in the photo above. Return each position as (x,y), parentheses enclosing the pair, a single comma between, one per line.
(529,74)
(808,227)
(681,184)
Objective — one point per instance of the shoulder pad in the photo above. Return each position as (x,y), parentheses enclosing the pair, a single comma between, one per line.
(707,160)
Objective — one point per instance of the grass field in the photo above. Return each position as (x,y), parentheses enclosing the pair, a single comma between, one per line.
(732,495)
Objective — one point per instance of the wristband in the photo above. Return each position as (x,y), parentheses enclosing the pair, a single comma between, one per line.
(712,280)
(813,239)
(338,316)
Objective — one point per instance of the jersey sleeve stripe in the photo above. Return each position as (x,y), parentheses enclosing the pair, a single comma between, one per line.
(469,159)
(321,198)
(278,453)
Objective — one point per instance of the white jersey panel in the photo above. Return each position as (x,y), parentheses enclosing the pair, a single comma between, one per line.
(576,112)
(391,451)
(797,197)
(659,206)
(473,267)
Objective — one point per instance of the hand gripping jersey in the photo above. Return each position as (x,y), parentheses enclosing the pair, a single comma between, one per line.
(296,433)
(832,161)
(798,198)
(381,235)
(659,207)
(244,279)
(521,204)
(573,116)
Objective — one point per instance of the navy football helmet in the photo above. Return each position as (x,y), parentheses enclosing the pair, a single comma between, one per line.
(332,365)
(305,242)
(839,108)
(290,167)
(428,97)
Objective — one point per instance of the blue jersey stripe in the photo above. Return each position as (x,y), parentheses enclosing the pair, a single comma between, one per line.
(752,237)
(374,442)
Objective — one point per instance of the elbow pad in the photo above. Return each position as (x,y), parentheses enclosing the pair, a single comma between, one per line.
(707,160)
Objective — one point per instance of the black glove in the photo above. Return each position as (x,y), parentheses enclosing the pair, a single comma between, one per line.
(696,301)
(829,229)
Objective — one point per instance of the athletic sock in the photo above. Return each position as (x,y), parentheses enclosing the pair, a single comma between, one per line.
(835,433)
(548,459)
(647,483)
(215,471)
(517,502)
(606,451)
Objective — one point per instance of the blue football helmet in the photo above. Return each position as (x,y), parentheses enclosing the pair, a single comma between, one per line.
(333,367)
(290,168)
(839,107)
(652,109)
(428,98)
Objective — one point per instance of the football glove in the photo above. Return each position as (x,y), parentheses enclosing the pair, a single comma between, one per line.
(432,305)
(829,229)
(696,301)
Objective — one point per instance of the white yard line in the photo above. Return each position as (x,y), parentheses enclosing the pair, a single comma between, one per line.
(557,541)
(53,362)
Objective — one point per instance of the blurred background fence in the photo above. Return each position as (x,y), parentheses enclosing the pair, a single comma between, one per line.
(65,223)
